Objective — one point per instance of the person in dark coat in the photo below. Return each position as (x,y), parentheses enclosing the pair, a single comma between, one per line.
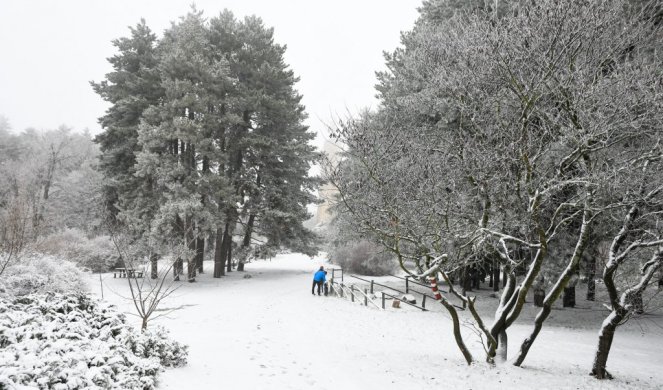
(318,280)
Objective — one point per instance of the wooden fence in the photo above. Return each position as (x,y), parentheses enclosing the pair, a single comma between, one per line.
(365,295)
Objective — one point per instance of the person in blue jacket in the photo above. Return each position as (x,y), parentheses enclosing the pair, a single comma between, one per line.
(318,280)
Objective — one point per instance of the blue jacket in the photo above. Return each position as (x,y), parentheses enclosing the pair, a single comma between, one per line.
(319,277)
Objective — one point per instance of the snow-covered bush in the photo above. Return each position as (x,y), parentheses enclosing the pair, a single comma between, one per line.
(96,254)
(155,342)
(37,273)
(55,341)
(362,257)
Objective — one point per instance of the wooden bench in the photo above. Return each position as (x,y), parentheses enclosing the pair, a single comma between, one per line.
(124,273)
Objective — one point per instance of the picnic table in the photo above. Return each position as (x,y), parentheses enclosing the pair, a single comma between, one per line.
(127,272)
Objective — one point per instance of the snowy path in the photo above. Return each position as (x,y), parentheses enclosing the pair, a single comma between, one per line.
(269,332)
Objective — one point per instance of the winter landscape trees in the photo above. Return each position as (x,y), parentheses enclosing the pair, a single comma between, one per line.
(204,145)
(505,136)
(515,139)
(47,184)
(220,147)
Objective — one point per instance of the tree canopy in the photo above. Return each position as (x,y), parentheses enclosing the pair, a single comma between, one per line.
(205,140)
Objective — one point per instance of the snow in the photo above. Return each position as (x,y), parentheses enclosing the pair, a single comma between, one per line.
(70,342)
(269,332)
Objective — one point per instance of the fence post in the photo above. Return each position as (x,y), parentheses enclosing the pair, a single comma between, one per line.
(383,300)
(423,302)
(407,284)
(352,292)
(342,292)
(341,274)
(372,286)
(365,297)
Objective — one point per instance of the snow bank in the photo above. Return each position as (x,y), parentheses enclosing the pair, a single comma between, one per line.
(270,332)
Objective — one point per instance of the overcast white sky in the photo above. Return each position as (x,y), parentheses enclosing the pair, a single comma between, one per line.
(52,49)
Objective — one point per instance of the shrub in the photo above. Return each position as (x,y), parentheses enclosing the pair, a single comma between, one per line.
(97,254)
(36,273)
(55,341)
(362,257)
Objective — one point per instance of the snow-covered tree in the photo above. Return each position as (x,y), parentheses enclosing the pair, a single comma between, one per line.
(635,253)
(268,148)
(132,86)
(221,141)
(496,134)
(174,136)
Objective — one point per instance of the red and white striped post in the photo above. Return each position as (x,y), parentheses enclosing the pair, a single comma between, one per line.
(433,286)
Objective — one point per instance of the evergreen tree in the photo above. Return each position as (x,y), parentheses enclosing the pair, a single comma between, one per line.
(215,141)
(133,86)
(175,137)
(269,148)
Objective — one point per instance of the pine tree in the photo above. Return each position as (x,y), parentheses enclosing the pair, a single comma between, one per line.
(269,152)
(177,144)
(133,86)
(218,140)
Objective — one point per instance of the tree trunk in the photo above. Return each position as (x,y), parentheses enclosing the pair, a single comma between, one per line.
(590,275)
(220,252)
(636,300)
(496,275)
(539,295)
(200,243)
(569,297)
(455,320)
(502,346)
(507,301)
(191,244)
(154,274)
(178,267)
(567,280)
(200,253)
(619,311)
(538,324)
(229,255)
(191,269)
(456,329)
(246,243)
(39,212)
(606,336)
(224,248)
(475,278)
(465,280)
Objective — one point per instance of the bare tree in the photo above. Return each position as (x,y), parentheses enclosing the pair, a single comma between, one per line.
(14,223)
(147,294)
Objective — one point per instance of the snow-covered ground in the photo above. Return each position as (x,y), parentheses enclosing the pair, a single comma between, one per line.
(269,332)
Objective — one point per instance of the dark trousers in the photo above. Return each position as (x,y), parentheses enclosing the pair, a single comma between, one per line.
(319,284)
